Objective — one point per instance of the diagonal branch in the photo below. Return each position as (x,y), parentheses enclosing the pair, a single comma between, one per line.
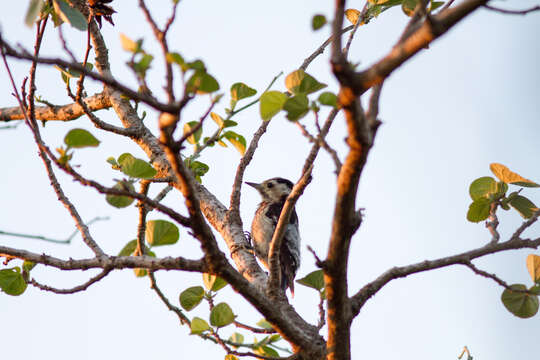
(370,289)
(419,39)
(274,280)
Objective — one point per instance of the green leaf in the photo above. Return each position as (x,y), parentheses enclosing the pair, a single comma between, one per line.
(506,175)
(313,280)
(213,282)
(408,6)
(221,315)
(197,65)
(176,58)
(352,15)
(482,187)
(12,281)
(533,265)
(202,83)
(237,140)
(296,107)
(134,167)
(520,304)
(28,265)
(237,338)
(327,98)
(191,297)
(111,160)
(229,123)
(535,289)
(318,21)
(199,169)
(479,210)
(271,103)
(300,82)
(80,138)
(119,201)
(143,64)
(241,91)
(524,206)
(161,232)
(70,15)
(195,137)
(129,248)
(198,326)
(34,8)
(435,5)
(265,324)
(267,351)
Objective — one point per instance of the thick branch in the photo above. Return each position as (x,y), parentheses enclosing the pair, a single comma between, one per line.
(58,112)
(419,39)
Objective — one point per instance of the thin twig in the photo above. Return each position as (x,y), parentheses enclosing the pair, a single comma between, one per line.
(47,239)
(153,285)
(75,289)
(512,12)
(494,277)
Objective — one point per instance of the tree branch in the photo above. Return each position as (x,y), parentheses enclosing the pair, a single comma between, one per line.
(75,289)
(274,281)
(512,12)
(419,39)
(108,262)
(364,294)
(58,112)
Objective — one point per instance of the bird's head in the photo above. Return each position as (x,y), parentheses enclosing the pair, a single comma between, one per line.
(275,189)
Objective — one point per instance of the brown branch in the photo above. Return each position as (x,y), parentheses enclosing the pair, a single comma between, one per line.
(254,329)
(493,222)
(493,277)
(108,262)
(59,112)
(143,211)
(512,12)
(364,294)
(419,39)
(153,285)
(107,80)
(321,48)
(75,289)
(161,37)
(274,280)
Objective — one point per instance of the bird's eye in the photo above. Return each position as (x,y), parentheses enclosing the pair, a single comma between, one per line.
(269,185)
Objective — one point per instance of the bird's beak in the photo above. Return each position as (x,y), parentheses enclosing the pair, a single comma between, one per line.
(255,185)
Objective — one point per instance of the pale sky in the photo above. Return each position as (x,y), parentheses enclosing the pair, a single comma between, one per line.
(471,99)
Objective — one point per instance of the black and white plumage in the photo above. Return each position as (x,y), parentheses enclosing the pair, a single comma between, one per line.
(274,192)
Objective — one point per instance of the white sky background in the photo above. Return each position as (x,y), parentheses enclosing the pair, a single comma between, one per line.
(471,99)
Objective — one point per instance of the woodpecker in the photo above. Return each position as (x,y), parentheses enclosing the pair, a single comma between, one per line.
(274,192)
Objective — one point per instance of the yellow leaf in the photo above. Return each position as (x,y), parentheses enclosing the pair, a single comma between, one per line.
(506,175)
(238,145)
(127,43)
(218,119)
(352,15)
(533,265)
